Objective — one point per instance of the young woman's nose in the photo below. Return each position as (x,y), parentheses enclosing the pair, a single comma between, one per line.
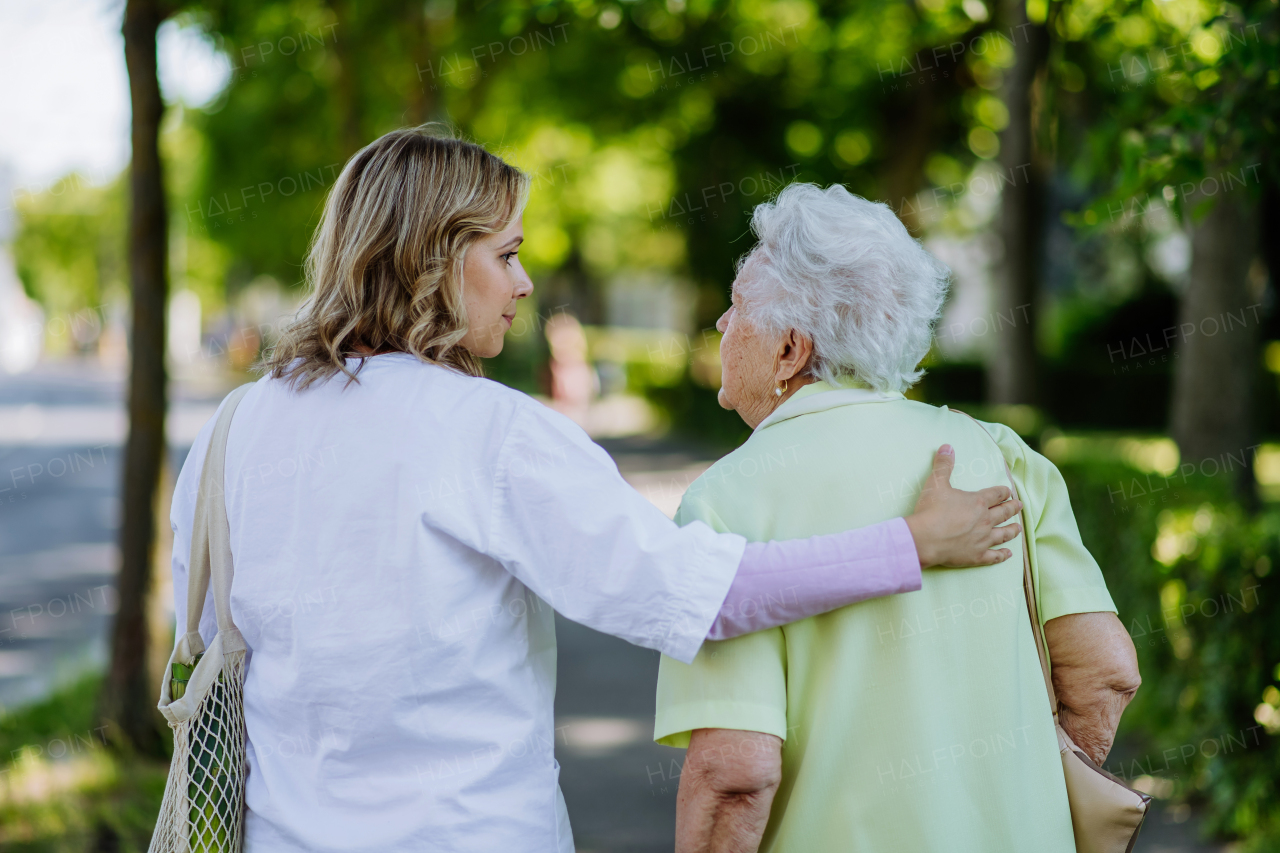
(524,284)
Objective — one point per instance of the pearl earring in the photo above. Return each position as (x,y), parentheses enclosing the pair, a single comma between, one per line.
(778,392)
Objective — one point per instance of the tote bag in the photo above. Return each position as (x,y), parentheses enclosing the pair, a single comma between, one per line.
(203,806)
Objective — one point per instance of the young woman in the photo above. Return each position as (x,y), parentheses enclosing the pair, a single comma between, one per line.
(402,530)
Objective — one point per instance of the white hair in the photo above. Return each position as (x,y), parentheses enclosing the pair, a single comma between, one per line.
(844,272)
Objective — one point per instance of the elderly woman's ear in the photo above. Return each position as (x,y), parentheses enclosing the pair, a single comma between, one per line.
(794,351)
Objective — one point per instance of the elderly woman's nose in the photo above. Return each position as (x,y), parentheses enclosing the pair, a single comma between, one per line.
(722,325)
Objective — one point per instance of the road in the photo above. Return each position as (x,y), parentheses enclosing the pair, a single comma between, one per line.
(60,434)
(60,431)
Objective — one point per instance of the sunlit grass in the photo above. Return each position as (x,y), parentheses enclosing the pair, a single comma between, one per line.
(1150,455)
(61,786)
(1266,468)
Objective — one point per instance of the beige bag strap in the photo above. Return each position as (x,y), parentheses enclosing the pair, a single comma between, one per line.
(1028,581)
(211,540)
(1029,588)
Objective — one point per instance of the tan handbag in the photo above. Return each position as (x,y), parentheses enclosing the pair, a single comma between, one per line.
(1106,814)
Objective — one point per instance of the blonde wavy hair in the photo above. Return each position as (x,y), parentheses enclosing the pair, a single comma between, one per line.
(384,270)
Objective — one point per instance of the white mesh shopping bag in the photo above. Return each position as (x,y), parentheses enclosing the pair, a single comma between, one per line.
(203,806)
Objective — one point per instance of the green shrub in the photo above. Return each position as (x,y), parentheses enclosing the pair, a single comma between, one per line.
(1192,576)
(63,789)
(694,412)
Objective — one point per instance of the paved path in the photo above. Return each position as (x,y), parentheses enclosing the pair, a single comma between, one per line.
(61,427)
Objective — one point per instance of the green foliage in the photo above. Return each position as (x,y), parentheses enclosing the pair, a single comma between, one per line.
(651,128)
(62,788)
(197,261)
(695,413)
(69,711)
(1180,101)
(70,254)
(1192,576)
(272,140)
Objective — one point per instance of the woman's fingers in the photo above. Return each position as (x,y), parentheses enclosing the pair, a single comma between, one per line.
(1003,512)
(1000,535)
(944,462)
(993,495)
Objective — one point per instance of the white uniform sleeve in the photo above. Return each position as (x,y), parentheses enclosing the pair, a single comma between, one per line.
(567,525)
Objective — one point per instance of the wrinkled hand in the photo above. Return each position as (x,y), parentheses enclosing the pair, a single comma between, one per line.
(956,528)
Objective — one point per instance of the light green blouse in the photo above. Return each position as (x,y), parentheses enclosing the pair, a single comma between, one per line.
(916,722)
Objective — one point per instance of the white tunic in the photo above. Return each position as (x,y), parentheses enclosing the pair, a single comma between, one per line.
(399,545)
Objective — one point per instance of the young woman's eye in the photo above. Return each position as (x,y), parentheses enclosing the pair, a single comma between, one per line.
(508,256)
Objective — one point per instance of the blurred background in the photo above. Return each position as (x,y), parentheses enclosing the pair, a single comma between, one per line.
(1102,177)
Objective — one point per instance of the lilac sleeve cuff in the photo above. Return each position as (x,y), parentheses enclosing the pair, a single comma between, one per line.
(781,582)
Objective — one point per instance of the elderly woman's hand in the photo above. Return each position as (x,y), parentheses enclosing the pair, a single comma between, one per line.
(956,528)
(1095,674)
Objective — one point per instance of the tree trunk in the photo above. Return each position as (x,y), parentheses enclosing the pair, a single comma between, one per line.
(1011,373)
(421,96)
(913,117)
(1218,344)
(129,696)
(347,85)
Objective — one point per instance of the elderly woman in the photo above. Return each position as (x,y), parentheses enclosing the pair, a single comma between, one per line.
(915,722)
